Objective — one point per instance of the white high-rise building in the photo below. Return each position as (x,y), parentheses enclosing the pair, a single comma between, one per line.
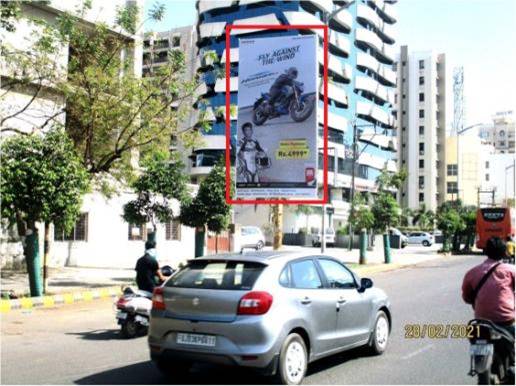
(421,117)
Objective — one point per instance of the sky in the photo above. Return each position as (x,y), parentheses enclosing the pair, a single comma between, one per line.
(479,35)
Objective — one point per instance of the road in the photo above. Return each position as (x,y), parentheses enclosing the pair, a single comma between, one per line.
(80,343)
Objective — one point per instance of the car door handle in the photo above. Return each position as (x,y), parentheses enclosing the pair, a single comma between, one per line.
(341,300)
(306,300)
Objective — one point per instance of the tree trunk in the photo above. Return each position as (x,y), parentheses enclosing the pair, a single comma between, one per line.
(278,226)
(32,258)
(216,243)
(46,256)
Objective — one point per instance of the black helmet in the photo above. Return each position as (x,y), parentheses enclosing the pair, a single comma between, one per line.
(292,72)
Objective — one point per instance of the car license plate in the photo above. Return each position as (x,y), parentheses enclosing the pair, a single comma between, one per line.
(196,339)
(481,349)
(121,315)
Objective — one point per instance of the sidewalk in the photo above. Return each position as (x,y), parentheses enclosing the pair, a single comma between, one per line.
(68,279)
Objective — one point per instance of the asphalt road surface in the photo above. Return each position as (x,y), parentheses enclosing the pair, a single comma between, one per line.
(80,343)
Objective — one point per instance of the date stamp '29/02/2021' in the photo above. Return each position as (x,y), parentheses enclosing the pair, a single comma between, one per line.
(441,331)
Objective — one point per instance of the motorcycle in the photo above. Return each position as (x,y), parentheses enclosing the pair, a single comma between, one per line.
(133,309)
(292,101)
(492,353)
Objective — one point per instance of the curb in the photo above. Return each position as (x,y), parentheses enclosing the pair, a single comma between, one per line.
(379,268)
(53,300)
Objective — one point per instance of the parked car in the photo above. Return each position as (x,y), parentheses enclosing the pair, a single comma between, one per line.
(421,238)
(329,236)
(274,312)
(251,237)
(403,238)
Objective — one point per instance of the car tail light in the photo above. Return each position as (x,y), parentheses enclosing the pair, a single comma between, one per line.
(309,174)
(158,302)
(255,303)
(121,302)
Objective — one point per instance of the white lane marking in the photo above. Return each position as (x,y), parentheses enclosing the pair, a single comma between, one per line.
(417,352)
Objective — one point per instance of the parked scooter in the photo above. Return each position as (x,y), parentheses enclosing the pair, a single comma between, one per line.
(133,309)
(492,353)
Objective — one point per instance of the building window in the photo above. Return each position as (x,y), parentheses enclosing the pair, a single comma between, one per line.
(421,130)
(501,143)
(421,148)
(421,113)
(421,64)
(451,187)
(451,169)
(176,41)
(421,80)
(487,164)
(173,230)
(421,197)
(421,163)
(78,233)
(487,177)
(404,112)
(136,232)
(403,63)
(403,129)
(421,182)
(421,96)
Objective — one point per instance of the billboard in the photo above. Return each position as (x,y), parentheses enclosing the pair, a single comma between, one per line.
(276,148)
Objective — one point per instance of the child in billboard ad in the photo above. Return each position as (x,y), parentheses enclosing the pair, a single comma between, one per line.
(277,118)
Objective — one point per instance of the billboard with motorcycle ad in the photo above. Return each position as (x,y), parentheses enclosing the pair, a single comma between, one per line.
(277,118)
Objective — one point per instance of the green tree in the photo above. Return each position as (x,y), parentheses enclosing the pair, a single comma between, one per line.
(42,179)
(469,218)
(362,217)
(209,208)
(450,222)
(162,180)
(112,113)
(305,210)
(424,218)
(385,208)
(406,215)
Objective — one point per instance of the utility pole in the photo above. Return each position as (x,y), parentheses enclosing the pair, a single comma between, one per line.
(277,219)
(352,191)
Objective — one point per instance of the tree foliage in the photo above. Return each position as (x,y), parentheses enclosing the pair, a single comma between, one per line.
(42,179)
(424,218)
(209,207)
(362,216)
(449,221)
(385,208)
(111,112)
(161,181)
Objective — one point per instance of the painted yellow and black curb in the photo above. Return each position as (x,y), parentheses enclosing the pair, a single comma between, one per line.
(60,299)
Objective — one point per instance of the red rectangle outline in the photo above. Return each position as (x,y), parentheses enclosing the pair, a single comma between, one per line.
(229,199)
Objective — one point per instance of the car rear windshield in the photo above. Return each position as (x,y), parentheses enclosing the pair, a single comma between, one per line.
(219,274)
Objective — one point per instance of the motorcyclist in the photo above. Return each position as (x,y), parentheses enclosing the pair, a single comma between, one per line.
(248,149)
(510,248)
(286,79)
(147,268)
(494,301)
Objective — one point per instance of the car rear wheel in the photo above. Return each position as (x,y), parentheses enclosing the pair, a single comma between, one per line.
(380,334)
(426,243)
(129,328)
(293,360)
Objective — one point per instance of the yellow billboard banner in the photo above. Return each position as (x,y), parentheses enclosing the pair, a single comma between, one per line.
(293,149)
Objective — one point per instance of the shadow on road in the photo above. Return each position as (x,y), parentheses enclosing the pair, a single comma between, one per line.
(98,334)
(147,373)
(205,374)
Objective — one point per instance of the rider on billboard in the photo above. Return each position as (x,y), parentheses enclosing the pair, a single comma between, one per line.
(286,79)
(248,149)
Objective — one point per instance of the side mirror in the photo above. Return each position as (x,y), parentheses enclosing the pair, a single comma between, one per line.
(365,283)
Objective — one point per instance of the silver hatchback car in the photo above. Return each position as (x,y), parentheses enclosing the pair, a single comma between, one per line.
(274,312)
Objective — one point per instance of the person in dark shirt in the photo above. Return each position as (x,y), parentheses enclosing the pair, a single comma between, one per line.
(147,268)
(286,79)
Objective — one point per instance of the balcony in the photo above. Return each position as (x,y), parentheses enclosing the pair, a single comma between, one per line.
(339,45)
(381,141)
(368,15)
(375,89)
(205,5)
(220,85)
(342,22)
(374,114)
(334,121)
(335,93)
(304,18)
(371,40)
(337,70)
(386,75)
(385,10)
(233,56)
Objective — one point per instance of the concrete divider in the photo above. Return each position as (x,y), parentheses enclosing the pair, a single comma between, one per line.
(59,299)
